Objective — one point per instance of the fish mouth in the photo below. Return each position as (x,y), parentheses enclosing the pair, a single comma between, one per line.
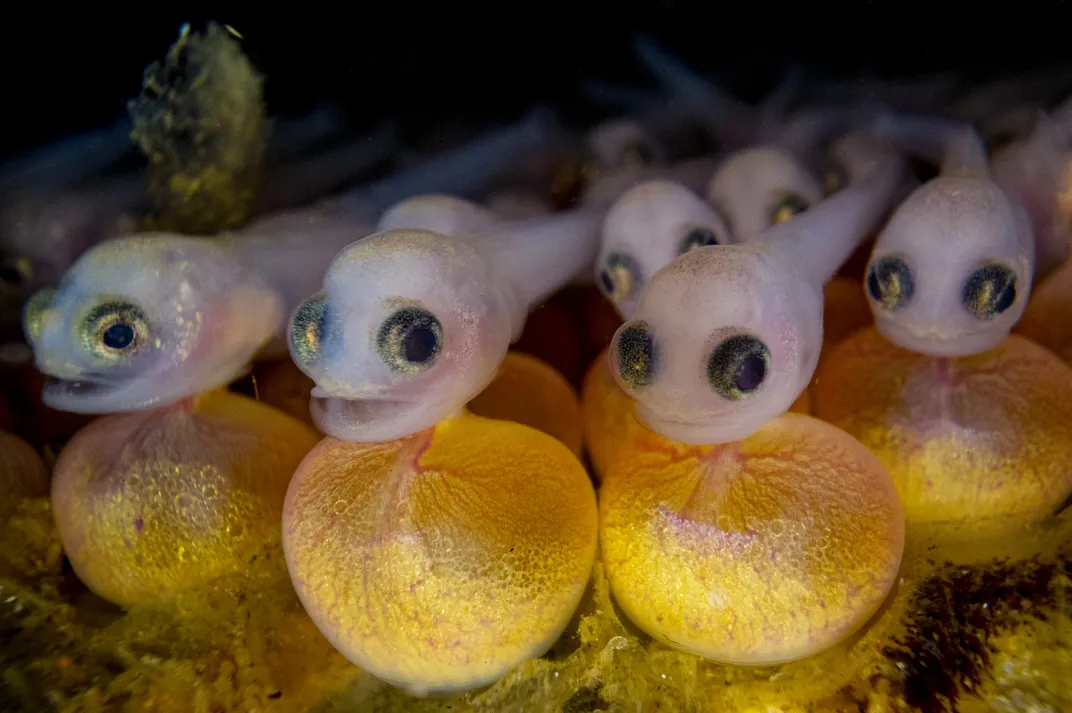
(702,429)
(366,420)
(937,344)
(72,394)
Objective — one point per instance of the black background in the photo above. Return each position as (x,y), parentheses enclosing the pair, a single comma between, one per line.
(67,68)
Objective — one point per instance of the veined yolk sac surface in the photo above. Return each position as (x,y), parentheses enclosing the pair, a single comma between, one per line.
(442,560)
(977,446)
(757,552)
(151,501)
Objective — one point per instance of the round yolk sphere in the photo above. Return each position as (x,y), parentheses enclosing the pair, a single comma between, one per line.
(1048,319)
(530,392)
(608,413)
(22,472)
(756,552)
(440,561)
(156,500)
(975,445)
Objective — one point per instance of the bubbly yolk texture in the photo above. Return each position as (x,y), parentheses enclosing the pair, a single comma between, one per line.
(529,391)
(152,501)
(22,472)
(757,552)
(608,413)
(976,445)
(442,560)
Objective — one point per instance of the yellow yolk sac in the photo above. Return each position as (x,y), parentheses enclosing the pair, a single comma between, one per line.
(609,423)
(609,420)
(153,501)
(1047,319)
(529,391)
(22,472)
(758,552)
(442,560)
(976,446)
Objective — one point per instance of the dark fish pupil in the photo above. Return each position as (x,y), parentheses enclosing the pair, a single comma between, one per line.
(118,336)
(990,291)
(889,281)
(698,238)
(10,275)
(1008,296)
(606,281)
(738,366)
(750,373)
(419,345)
(873,286)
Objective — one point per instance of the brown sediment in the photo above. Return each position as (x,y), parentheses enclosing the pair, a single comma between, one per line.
(948,647)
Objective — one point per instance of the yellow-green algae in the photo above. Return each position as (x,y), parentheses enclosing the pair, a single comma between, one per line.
(998,627)
(201,122)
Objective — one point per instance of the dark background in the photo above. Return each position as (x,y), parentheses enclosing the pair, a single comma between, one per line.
(65,69)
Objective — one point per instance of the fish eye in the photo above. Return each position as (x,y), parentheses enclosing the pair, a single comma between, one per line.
(620,277)
(738,367)
(697,238)
(889,282)
(834,178)
(308,327)
(788,206)
(637,154)
(114,330)
(409,340)
(34,311)
(637,357)
(14,273)
(989,291)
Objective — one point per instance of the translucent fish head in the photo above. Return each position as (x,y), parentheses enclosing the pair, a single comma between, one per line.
(951,272)
(147,320)
(411,325)
(723,340)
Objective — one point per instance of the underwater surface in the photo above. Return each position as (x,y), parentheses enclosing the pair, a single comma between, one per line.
(643,374)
